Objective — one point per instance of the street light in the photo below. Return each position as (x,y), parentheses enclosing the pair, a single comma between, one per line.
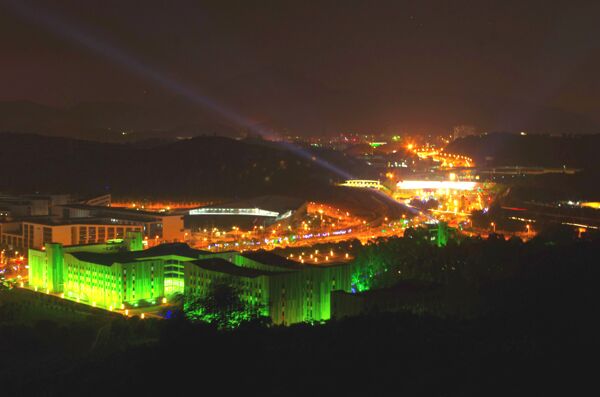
(493,225)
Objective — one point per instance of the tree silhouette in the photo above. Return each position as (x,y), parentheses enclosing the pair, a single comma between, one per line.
(222,307)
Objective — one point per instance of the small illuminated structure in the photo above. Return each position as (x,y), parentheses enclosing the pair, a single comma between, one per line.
(363,183)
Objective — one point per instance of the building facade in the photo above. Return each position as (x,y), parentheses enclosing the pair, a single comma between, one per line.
(30,221)
(36,233)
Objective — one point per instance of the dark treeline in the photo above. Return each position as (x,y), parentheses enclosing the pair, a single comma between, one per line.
(529,329)
(473,270)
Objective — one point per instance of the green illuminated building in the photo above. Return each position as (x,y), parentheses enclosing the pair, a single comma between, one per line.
(119,274)
(440,233)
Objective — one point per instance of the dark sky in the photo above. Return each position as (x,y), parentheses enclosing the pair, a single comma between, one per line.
(314,65)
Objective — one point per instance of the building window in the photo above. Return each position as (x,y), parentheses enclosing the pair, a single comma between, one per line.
(101,234)
(82,234)
(92,235)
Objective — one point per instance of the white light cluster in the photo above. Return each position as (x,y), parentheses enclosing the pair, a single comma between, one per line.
(453,185)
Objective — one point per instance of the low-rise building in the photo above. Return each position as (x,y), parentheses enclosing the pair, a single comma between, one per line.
(80,223)
(36,232)
(119,274)
(162,226)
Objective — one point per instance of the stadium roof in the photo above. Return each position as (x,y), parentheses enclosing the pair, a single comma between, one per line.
(279,204)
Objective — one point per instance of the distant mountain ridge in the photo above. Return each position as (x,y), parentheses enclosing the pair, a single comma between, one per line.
(307,112)
(109,121)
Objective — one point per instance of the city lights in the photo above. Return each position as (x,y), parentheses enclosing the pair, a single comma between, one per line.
(386,198)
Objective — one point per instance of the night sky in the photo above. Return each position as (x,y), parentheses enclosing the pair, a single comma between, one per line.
(315,66)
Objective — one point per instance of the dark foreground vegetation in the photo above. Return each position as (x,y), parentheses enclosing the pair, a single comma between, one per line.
(534,332)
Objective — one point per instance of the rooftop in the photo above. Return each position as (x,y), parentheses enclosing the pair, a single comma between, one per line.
(271,259)
(171,249)
(224,266)
(49,221)
(126,213)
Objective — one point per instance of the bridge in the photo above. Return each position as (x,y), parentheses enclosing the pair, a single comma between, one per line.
(363,183)
(521,170)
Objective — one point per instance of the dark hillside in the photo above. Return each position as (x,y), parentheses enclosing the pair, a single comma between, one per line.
(199,167)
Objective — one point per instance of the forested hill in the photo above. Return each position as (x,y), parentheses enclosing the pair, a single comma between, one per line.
(199,167)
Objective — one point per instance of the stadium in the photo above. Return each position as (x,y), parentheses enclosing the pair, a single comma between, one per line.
(245,214)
